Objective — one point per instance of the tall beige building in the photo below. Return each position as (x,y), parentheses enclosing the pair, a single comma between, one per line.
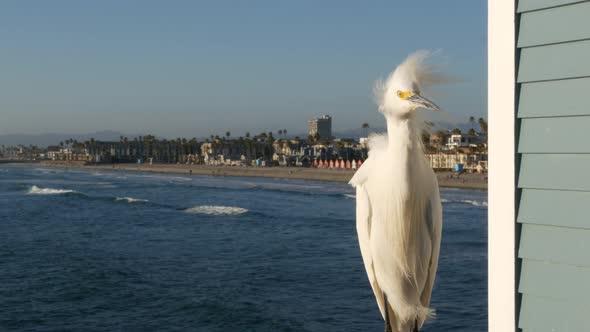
(321,126)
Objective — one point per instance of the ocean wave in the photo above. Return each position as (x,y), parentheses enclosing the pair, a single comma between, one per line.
(34,190)
(349,195)
(48,170)
(180,178)
(474,202)
(131,199)
(161,177)
(216,210)
(465,201)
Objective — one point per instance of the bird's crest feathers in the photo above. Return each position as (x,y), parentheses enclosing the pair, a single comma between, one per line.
(414,73)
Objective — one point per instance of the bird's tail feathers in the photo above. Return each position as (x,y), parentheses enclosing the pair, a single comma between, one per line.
(424,313)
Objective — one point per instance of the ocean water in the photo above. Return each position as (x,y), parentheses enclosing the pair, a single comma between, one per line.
(87,250)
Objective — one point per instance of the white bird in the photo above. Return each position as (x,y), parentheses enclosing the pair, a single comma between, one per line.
(398,207)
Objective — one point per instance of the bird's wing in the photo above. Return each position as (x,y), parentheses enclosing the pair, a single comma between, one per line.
(434,223)
(361,175)
(363,227)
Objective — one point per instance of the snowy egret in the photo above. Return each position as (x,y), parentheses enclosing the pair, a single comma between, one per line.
(398,207)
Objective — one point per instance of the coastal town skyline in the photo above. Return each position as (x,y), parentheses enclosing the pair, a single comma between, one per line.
(172,70)
(320,148)
(363,129)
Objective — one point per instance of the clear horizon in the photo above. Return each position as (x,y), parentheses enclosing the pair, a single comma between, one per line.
(195,69)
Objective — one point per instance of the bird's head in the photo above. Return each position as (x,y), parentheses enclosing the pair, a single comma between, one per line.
(400,94)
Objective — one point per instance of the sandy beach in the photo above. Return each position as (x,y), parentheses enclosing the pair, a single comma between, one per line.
(445,179)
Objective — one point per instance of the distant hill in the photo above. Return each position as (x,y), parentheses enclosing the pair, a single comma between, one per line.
(43,140)
(358,132)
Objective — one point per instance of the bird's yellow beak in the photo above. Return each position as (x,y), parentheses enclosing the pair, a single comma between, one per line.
(418,100)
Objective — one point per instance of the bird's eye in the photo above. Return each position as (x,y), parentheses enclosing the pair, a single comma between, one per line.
(400,94)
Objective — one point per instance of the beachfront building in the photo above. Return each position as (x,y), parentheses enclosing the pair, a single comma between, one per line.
(446,161)
(455,141)
(236,152)
(321,127)
(142,149)
(289,152)
(539,188)
(67,154)
(52,152)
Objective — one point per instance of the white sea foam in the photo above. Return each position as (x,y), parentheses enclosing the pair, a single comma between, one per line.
(216,210)
(48,191)
(349,195)
(131,199)
(47,170)
(180,178)
(465,201)
(474,203)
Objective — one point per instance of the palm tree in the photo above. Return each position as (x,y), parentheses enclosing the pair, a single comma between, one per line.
(228,134)
(472,130)
(456,131)
(247,134)
(483,125)
(285,132)
(280,132)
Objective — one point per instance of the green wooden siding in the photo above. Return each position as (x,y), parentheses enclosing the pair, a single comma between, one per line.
(528,5)
(556,281)
(554,135)
(554,111)
(547,207)
(556,61)
(542,314)
(573,25)
(554,171)
(554,98)
(555,244)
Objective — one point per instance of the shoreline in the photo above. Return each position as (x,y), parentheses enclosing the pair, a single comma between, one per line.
(445,179)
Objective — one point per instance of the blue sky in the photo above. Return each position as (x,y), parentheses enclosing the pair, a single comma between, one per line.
(192,68)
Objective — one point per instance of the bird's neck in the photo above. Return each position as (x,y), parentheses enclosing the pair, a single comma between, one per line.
(406,154)
(403,134)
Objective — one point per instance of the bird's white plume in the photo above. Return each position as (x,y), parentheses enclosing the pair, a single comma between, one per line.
(415,68)
(399,213)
